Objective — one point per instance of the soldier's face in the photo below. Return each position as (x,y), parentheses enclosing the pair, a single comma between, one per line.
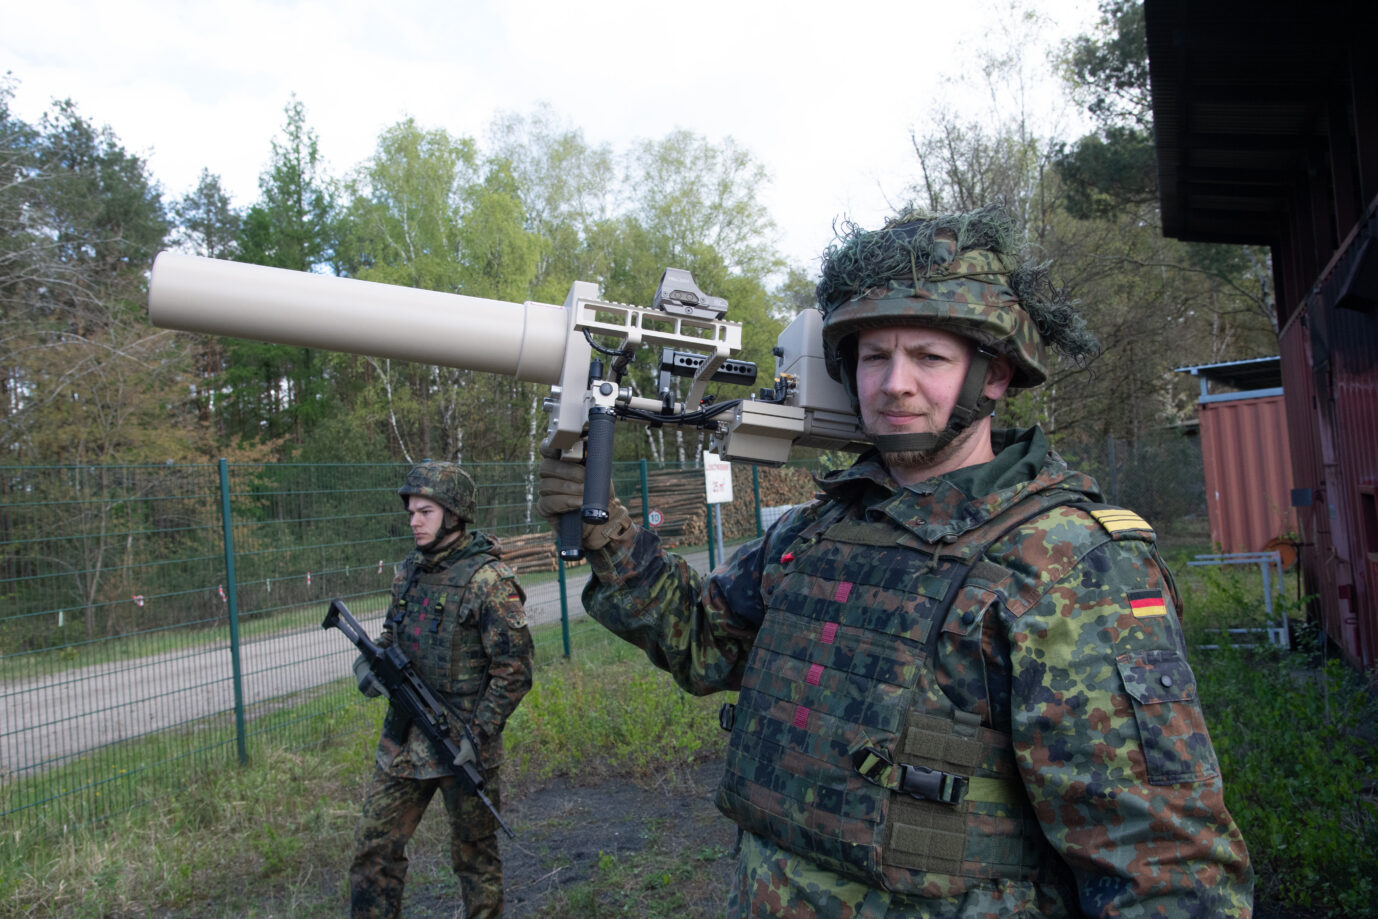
(908,378)
(425,518)
(908,381)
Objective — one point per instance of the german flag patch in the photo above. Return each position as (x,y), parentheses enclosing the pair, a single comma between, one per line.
(1145,603)
(1118,521)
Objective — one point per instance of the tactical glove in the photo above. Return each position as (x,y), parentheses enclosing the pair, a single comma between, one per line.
(368,684)
(562,490)
(467,752)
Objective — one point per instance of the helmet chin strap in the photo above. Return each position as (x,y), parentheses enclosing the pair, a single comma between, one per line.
(971,406)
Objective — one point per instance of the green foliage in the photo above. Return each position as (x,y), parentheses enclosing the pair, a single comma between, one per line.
(402,221)
(566,188)
(290,226)
(80,220)
(207,223)
(1295,739)
(237,839)
(100,204)
(655,883)
(497,254)
(609,714)
(1294,736)
(268,391)
(1159,475)
(1103,174)
(1108,70)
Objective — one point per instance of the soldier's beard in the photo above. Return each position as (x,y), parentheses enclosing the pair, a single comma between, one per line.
(919,460)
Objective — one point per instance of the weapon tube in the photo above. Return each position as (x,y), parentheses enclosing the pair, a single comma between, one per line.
(537,343)
(194,294)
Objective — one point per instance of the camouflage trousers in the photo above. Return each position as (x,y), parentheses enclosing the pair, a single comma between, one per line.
(774,884)
(392,810)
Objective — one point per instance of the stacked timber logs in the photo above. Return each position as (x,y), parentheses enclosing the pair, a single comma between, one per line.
(531,552)
(679,497)
(778,487)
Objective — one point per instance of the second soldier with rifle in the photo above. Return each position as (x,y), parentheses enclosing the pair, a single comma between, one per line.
(457,614)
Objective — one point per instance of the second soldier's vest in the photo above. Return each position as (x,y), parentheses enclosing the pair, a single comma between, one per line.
(436,623)
(844,749)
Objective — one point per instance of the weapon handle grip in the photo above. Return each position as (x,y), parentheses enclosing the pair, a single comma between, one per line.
(598,465)
(571,536)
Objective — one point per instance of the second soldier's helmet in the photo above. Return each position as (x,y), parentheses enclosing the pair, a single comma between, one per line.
(444,483)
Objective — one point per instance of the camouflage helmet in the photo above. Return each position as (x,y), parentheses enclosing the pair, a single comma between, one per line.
(444,483)
(958,272)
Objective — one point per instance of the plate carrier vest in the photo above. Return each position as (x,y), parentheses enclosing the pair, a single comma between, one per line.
(844,749)
(424,620)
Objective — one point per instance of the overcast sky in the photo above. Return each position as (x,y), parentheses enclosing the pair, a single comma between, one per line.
(826,103)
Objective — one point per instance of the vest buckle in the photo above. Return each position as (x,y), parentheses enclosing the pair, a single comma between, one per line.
(871,763)
(727,716)
(932,785)
(876,766)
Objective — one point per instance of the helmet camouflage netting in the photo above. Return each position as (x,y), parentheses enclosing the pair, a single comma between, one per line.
(961,272)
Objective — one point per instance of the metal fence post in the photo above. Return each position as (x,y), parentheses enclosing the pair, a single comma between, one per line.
(713,560)
(645,498)
(756,494)
(564,603)
(232,598)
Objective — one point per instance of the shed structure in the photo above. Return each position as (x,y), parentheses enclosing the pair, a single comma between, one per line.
(1265,118)
(1245,452)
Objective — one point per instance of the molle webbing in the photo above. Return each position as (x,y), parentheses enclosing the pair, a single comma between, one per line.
(433,608)
(842,668)
(926,835)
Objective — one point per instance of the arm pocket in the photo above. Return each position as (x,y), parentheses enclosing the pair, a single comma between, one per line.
(1172,730)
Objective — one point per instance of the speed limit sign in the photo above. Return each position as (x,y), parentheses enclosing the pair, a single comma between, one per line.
(654,517)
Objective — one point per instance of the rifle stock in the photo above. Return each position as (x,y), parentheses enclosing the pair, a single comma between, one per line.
(410,695)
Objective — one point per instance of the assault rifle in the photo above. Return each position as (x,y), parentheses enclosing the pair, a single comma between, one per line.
(540,343)
(413,700)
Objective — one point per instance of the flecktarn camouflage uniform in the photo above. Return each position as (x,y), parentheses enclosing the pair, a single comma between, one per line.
(1012,655)
(458,614)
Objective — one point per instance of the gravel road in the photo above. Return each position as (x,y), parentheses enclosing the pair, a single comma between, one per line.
(50,720)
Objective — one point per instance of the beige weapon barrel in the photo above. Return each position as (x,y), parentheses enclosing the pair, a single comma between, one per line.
(195,294)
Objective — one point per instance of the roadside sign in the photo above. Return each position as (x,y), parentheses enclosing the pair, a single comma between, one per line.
(654,517)
(717,478)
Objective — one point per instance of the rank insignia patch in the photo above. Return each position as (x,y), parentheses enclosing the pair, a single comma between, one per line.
(1118,520)
(1147,603)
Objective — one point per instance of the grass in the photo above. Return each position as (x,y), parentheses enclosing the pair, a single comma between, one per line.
(1294,731)
(209,838)
(658,882)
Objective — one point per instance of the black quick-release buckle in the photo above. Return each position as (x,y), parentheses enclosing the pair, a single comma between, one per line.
(727,716)
(932,785)
(918,781)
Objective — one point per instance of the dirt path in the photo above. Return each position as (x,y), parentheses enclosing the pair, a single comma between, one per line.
(611,848)
(616,848)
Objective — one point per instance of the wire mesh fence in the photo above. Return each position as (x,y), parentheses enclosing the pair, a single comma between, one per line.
(157,621)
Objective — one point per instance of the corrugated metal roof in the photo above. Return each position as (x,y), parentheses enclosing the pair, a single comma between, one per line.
(1252,373)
